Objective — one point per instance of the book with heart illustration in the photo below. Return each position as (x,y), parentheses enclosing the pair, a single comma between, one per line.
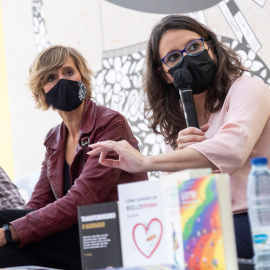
(150,221)
(99,235)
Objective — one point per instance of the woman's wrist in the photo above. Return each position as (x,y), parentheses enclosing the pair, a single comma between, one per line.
(14,235)
(3,240)
(8,235)
(147,164)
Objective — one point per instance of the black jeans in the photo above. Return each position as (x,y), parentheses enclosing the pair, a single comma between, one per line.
(61,250)
(243,236)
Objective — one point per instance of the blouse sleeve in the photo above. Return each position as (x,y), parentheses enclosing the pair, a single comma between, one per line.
(245,112)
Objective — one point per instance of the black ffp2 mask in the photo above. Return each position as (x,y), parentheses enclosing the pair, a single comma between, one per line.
(66,95)
(202,69)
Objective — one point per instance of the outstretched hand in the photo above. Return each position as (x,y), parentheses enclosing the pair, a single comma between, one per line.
(130,159)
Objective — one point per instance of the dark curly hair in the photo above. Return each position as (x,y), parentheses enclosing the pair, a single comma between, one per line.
(162,107)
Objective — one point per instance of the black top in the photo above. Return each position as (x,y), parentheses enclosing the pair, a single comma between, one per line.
(66,185)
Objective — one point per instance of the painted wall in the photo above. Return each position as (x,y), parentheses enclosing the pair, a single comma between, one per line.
(6,156)
(111,35)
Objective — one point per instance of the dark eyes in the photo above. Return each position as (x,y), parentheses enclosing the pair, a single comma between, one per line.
(69,73)
(66,73)
(194,47)
(50,78)
(174,57)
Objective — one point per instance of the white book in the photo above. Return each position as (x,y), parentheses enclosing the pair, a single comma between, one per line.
(150,221)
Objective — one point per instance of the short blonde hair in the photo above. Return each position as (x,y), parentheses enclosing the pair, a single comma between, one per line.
(47,62)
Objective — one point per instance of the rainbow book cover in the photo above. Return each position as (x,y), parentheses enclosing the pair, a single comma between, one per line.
(201,224)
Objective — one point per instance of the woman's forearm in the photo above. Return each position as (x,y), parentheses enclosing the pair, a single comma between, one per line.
(132,160)
(176,161)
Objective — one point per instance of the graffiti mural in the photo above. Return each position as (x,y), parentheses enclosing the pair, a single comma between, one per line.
(118,85)
(40,31)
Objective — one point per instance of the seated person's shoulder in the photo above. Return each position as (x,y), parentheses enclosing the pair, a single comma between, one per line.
(53,132)
(249,88)
(106,115)
(247,82)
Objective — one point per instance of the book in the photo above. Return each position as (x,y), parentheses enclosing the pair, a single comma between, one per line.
(99,236)
(207,225)
(148,267)
(150,220)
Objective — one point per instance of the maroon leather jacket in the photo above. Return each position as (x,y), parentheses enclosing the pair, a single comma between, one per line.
(90,181)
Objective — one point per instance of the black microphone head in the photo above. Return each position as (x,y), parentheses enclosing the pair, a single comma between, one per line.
(182,77)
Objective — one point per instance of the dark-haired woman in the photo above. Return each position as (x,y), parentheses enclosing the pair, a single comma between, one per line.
(233,112)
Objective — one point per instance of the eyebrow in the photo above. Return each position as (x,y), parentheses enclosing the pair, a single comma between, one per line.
(67,67)
(190,40)
(62,67)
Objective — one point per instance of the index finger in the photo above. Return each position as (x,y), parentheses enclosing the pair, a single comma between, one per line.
(95,152)
(107,145)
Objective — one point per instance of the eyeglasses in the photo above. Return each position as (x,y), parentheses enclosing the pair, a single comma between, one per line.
(175,58)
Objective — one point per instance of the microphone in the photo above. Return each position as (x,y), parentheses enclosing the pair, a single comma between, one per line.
(182,81)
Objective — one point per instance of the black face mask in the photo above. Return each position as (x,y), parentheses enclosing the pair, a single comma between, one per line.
(66,95)
(202,69)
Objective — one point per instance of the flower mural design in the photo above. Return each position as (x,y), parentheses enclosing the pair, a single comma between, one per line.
(249,59)
(40,31)
(118,85)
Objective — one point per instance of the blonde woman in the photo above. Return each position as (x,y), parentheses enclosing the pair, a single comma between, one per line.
(46,234)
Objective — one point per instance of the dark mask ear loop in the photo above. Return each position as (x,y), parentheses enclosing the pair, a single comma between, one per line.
(162,76)
(43,97)
(206,42)
(166,71)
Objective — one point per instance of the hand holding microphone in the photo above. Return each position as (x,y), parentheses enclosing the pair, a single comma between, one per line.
(183,81)
(191,135)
